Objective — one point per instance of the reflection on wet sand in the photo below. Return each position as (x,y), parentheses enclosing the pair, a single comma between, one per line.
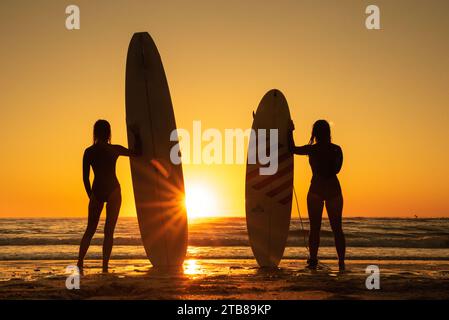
(224,279)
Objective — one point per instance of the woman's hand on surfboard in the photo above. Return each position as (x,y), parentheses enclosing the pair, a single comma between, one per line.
(136,150)
(291,140)
(135,130)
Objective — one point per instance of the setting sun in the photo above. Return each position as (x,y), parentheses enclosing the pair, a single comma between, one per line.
(200,201)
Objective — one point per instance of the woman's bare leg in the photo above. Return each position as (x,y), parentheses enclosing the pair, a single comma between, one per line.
(112,212)
(315,209)
(95,208)
(334,209)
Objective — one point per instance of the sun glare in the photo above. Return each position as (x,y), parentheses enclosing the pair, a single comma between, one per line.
(200,202)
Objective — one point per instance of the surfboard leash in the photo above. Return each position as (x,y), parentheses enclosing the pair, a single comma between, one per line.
(300,220)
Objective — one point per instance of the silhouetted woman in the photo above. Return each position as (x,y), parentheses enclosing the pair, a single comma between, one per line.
(102,157)
(325,159)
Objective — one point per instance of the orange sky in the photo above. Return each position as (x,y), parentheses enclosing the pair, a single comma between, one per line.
(386,93)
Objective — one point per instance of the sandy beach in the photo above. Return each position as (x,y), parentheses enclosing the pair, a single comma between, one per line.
(225,279)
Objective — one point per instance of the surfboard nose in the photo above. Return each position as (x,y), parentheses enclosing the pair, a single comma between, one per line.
(140,33)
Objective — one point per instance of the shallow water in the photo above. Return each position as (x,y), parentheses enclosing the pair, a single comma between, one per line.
(224,238)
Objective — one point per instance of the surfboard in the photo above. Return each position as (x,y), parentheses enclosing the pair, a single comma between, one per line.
(158,184)
(268,198)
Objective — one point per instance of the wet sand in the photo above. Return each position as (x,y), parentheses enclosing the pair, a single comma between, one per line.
(224,279)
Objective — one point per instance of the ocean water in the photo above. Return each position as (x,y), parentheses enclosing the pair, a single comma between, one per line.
(367,239)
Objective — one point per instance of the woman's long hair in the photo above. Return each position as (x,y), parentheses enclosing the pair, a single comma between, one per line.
(321,132)
(102,132)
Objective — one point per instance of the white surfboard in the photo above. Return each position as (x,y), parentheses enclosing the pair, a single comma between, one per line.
(158,183)
(269,197)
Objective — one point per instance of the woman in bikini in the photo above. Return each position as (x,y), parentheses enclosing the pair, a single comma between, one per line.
(325,159)
(102,157)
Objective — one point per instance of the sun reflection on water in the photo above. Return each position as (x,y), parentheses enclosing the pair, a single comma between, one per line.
(191,267)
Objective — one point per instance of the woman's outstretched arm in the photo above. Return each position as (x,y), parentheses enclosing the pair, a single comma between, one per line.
(86,173)
(136,150)
(303,150)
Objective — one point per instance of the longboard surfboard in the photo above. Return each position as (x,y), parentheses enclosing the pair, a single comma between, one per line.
(268,198)
(158,183)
